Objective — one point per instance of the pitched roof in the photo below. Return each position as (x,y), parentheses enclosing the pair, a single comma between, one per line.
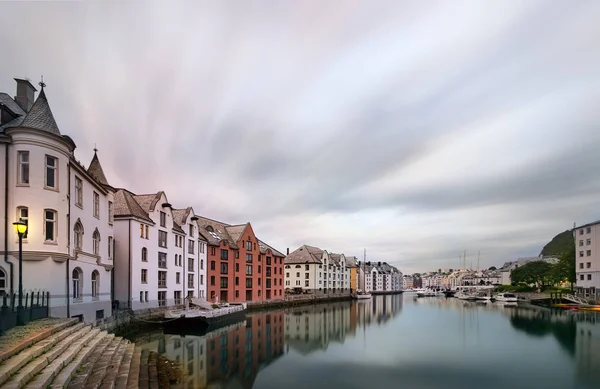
(351,261)
(126,205)
(148,201)
(304,254)
(180,215)
(218,233)
(263,249)
(40,116)
(15,108)
(177,228)
(95,170)
(235,232)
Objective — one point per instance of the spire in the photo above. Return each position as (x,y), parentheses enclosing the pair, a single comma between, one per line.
(40,115)
(95,169)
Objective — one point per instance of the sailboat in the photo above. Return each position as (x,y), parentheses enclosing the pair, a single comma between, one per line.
(363,294)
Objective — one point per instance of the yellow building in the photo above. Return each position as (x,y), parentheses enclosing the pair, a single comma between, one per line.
(352,265)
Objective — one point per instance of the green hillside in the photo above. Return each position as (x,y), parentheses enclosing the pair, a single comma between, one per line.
(561,243)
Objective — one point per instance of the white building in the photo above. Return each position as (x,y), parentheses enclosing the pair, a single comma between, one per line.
(68,247)
(158,260)
(407,282)
(316,271)
(587,260)
(379,278)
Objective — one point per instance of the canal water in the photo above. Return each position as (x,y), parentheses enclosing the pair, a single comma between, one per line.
(396,341)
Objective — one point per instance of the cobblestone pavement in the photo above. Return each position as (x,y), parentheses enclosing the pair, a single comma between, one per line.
(20,334)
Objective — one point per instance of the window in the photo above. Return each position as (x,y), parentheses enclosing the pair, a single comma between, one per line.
(144,254)
(588,230)
(2,283)
(306,276)
(248,257)
(268,282)
(224,268)
(588,253)
(306,267)
(177,297)
(582,277)
(191,230)
(77,284)
(50,227)
(180,261)
(268,260)
(23,215)
(162,260)
(78,191)
(581,253)
(162,299)
(248,270)
(237,281)
(162,279)
(96,205)
(259,269)
(589,265)
(588,242)
(163,219)
(202,264)
(110,247)
(201,247)
(141,230)
(111,216)
(268,271)
(178,278)
(51,176)
(249,245)
(144,278)
(212,280)
(190,280)
(248,282)
(298,274)
(23,172)
(146,232)
(581,231)
(95,284)
(96,241)
(306,283)
(201,280)
(589,277)
(190,264)
(580,242)
(141,297)
(224,255)
(162,239)
(287,274)
(212,265)
(190,246)
(224,282)
(78,235)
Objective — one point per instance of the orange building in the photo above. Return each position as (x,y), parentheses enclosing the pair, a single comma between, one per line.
(241,267)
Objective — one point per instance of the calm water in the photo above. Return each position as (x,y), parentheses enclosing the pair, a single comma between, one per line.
(393,342)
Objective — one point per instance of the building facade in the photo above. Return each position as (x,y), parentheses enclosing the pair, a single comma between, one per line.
(68,248)
(587,260)
(380,278)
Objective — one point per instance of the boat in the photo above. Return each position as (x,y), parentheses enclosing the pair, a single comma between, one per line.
(506,297)
(199,313)
(363,294)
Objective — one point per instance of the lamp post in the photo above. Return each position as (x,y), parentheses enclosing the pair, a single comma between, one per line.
(21,229)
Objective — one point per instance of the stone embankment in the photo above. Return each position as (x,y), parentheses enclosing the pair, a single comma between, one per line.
(67,354)
(295,300)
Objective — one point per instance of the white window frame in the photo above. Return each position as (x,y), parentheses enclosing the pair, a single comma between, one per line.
(23,163)
(78,192)
(111,214)
(144,276)
(78,235)
(23,218)
(77,283)
(96,205)
(96,238)
(54,225)
(95,285)
(48,168)
(111,243)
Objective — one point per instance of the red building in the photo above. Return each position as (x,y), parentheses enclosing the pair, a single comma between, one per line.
(241,267)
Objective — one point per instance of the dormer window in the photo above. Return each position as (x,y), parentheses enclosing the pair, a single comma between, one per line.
(209,229)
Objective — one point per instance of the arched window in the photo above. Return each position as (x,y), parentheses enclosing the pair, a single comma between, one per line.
(78,235)
(209,229)
(2,283)
(144,254)
(96,240)
(77,284)
(95,284)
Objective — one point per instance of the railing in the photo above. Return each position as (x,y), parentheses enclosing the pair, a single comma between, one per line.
(35,306)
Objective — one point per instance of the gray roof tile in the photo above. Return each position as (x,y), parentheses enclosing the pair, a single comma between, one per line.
(40,116)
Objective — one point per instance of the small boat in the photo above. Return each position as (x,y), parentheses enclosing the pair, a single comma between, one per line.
(427,293)
(204,314)
(363,296)
(506,297)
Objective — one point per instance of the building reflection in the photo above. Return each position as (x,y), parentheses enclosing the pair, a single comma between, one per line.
(312,328)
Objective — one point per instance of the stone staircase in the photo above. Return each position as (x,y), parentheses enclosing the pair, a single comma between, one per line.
(72,355)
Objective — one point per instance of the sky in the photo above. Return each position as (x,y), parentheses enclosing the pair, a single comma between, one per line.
(416,130)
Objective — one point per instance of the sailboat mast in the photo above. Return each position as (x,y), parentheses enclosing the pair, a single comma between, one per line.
(465,261)
(478,252)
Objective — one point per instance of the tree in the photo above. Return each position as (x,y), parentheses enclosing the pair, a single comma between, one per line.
(564,269)
(535,272)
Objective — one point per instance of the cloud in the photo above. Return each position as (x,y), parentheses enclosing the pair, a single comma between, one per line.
(415,130)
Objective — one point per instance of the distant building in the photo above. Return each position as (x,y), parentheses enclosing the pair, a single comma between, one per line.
(407,282)
(587,260)
(380,278)
(508,267)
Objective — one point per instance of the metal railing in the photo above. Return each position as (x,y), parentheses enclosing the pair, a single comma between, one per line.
(35,306)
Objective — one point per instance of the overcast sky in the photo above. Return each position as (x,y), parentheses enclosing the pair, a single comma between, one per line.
(414,129)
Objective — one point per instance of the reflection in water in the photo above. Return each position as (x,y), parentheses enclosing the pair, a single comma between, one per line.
(463,343)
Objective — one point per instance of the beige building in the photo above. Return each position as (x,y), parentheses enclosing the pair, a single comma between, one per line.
(587,259)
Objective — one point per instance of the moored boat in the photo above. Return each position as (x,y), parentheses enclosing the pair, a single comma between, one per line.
(506,297)
(203,314)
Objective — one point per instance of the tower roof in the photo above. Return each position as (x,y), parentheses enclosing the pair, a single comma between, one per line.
(40,116)
(95,169)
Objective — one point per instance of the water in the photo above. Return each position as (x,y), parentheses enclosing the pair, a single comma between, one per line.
(393,342)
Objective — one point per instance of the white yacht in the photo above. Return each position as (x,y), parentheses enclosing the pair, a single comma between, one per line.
(506,297)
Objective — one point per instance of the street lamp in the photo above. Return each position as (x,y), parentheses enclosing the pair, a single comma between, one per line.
(20,229)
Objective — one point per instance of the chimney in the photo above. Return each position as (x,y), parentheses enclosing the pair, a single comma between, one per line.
(378,263)
(288,251)
(25,94)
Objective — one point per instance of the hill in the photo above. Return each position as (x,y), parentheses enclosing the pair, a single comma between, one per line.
(559,244)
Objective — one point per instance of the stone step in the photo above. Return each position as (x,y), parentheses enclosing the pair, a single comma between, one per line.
(134,371)
(69,371)
(35,338)
(99,370)
(152,371)
(15,363)
(110,378)
(27,372)
(86,368)
(58,361)
(125,368)
(143,378)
